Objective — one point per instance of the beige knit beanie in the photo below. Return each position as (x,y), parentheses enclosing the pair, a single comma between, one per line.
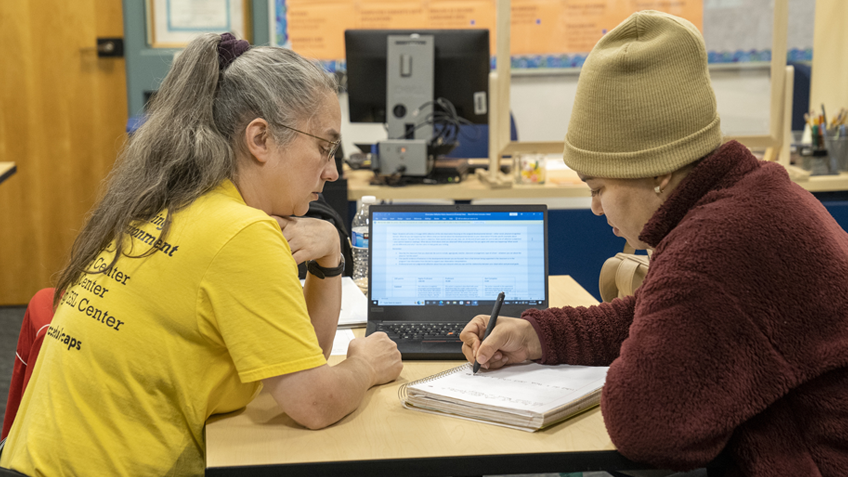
(644,105)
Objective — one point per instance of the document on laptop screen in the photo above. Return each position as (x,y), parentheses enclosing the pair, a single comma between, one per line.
(434,258)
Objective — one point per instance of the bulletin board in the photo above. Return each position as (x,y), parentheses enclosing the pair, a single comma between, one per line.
(544,33)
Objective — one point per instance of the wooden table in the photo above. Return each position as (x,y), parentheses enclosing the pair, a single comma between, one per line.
(6,170)
(560,183)
(827,183)
(382,438)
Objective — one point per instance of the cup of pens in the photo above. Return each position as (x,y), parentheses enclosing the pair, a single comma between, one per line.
(828,153)
(818,161)
(836,141)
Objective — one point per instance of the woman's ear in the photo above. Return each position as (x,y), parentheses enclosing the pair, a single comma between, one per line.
(663,181)
(257,137)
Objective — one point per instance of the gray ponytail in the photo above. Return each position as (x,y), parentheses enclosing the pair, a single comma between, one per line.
(187,145)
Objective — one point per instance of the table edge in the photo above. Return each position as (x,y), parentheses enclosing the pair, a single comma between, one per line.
(581,461)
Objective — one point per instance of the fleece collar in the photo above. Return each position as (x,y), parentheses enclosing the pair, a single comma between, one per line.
(718,171)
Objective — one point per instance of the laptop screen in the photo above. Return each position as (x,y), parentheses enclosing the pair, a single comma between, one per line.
(458,256)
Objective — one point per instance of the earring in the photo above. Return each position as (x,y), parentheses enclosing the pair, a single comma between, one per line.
(658,190)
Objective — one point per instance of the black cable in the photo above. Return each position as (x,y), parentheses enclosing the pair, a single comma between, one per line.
(446,123)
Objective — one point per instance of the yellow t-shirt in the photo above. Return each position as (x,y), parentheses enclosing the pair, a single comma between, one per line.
(136,360)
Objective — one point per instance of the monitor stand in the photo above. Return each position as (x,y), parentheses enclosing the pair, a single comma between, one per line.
(409,103)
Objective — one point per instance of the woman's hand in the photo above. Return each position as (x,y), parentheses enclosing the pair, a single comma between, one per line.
(311,239)
(381,354)
(316,239)
(513,340)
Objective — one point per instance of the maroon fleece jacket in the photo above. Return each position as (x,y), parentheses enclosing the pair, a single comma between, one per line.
(737,340)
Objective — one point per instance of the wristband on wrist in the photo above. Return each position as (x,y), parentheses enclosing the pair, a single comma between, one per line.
(321,272)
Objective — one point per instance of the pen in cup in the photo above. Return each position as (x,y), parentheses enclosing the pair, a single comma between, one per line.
(492,322)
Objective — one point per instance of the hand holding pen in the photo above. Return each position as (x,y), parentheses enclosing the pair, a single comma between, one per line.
(513,340)
(493,320)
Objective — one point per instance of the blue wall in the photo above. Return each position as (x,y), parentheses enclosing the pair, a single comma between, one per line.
(578,244)
(837,204)
(839,210)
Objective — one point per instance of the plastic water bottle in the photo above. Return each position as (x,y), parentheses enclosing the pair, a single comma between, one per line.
(359,242)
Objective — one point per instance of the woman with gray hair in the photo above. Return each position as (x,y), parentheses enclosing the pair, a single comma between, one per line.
(181,296)
(736,344)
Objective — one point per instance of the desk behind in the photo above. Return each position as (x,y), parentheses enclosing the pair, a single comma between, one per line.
(382,438)
(561,183)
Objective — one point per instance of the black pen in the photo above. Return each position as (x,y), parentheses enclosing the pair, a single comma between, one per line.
(493,320)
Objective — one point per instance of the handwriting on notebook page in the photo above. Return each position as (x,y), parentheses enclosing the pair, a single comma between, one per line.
(528,386)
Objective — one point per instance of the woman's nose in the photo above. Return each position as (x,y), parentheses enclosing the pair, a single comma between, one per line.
(331,173)
(596,206)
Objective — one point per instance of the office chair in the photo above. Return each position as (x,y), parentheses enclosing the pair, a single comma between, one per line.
(9,473)
(474,140)
(135,122)
(800,94)
(39,314)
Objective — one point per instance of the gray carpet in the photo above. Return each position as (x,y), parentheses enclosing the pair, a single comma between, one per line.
(11,318)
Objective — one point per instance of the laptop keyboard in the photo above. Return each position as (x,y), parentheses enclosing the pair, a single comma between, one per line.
(443,332)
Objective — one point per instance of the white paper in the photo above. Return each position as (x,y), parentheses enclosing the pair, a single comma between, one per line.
(354,305)
(341,342)
(354,310)
(198,15)
(174,23)
(527,387)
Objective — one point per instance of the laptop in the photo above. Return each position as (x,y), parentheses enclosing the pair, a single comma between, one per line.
(432,268)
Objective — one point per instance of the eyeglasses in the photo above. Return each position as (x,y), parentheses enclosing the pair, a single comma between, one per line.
(333,144)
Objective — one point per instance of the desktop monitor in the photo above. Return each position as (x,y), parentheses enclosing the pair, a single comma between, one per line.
(461,69)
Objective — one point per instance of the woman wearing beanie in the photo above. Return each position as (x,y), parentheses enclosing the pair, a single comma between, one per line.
(736,344)
(182,296)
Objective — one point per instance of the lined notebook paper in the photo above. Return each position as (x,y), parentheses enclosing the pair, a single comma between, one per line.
(526,396)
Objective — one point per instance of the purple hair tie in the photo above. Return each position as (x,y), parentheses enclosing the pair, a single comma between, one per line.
(229,49)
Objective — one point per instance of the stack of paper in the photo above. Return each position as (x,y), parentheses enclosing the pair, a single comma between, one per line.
(354,305)
(526,396)
(354,310)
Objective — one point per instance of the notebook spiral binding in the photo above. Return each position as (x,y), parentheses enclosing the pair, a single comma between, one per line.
(402,394)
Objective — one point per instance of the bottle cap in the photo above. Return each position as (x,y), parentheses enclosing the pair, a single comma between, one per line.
(369,199)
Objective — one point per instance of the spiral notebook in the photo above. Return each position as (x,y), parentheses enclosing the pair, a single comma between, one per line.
(526,396)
